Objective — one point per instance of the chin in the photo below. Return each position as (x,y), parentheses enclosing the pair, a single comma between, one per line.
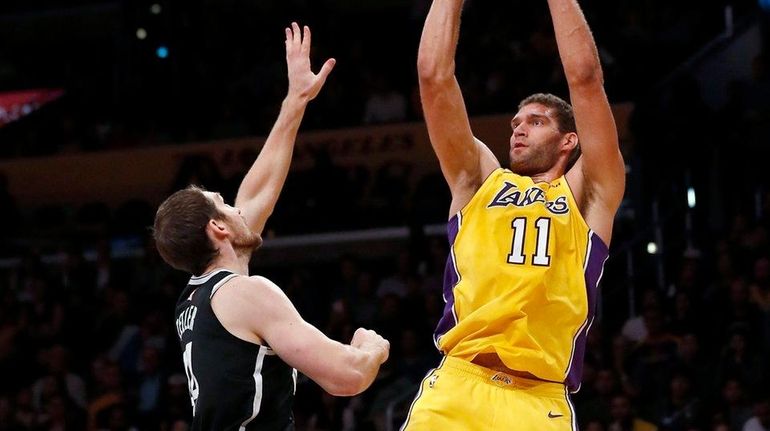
(249,243)
(518,168)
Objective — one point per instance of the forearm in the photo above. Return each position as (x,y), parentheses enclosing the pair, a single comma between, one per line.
(438,44)
(363,364)
(262,185)
(343,370)
(443,106)
(577,48)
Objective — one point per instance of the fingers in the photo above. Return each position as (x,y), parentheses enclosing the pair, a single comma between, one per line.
(326,69)
(297,34)
(289,40)
(371,341)
(306,41)
(385,350)
(297,39)
(293,37)
(359,332)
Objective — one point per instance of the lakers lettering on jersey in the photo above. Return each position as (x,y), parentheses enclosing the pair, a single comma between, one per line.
(521,279)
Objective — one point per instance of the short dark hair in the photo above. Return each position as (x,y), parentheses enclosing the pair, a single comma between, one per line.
(565,117)
(180,230)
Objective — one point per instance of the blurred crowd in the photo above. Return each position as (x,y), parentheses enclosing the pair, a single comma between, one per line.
(228,80)
(89,344)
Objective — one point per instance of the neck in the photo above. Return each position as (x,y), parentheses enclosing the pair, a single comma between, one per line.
(546,177)
(237,262)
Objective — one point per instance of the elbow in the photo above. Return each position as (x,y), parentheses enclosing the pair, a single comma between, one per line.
(431,72)
(585,74)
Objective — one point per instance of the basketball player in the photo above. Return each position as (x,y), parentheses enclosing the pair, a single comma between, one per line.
(242,338)
(527,243)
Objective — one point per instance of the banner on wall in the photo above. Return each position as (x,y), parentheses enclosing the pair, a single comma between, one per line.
(17,104)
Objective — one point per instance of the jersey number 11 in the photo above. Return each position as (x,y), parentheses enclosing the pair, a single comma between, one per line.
(541,256)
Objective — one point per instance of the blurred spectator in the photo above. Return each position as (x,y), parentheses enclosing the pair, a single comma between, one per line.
(681,409)
(699,366)
(6,414)
(761,419)
(108,394)
(383,104)
(59,381)
(623,417)
(149,386)
(365,303)
(635,328)
(597,407)
(396,284)
(652,359)
(741,360)
(733,405)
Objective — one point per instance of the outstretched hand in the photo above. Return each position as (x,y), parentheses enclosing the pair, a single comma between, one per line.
(303,82)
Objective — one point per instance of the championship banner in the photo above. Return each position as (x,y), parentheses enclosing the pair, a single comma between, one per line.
(17,104)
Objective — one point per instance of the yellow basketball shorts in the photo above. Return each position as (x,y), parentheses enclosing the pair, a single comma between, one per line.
(460,395)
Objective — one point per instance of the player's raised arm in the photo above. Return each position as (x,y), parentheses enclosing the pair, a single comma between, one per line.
(260,188)
(465,162)
(600,172)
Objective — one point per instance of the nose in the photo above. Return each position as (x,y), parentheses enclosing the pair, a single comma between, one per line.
(519,130)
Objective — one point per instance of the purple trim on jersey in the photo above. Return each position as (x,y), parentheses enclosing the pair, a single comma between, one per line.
(451,278)
(597,255)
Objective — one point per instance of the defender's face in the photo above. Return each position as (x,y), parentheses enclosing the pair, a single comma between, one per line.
(535,140)
(243,237)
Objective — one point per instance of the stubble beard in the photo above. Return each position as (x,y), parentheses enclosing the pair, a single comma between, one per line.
(247,242)
(529,166)
(536,162)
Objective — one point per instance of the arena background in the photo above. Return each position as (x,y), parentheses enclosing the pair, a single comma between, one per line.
(108,106)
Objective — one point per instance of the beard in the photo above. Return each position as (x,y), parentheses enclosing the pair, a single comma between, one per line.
(247,242)
(538,159)
(531,165)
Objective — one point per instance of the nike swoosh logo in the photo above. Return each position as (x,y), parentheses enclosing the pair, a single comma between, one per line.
(551,415)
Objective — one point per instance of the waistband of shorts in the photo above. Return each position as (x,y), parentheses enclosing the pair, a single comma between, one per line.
(504,380)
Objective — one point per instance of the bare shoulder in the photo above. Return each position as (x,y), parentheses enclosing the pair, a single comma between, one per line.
(245,304)
(244,293)
(258,280)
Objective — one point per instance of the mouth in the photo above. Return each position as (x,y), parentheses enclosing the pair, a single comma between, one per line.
(518,145)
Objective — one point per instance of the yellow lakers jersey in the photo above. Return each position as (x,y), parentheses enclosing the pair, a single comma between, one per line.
(521,279)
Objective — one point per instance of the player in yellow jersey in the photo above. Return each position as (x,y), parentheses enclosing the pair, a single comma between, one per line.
(527,243)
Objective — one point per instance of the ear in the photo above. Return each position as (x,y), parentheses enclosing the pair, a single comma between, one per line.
(570,142)
(217,230)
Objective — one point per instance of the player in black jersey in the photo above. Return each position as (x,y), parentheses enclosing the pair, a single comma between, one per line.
(241,336)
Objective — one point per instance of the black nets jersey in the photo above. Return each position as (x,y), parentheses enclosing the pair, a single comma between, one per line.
(234,385)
